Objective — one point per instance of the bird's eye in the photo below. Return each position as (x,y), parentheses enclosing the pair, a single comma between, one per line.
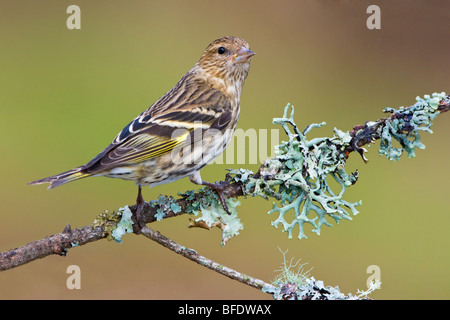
(221,50)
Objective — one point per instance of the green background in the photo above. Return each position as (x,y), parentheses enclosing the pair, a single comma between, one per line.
(65,94)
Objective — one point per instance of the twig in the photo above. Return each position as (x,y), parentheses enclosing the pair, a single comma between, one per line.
(208,263)
(369,132)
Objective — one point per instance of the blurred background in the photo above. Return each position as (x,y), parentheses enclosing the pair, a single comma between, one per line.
(65,94)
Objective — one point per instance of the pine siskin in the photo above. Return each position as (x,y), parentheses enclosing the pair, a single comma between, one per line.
(183,131)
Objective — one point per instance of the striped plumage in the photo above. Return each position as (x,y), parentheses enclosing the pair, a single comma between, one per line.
(151,149)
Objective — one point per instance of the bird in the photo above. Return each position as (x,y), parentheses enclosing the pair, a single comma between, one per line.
(180,133)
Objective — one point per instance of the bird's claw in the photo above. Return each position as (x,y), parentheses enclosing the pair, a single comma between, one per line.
(140,203)
(219,187)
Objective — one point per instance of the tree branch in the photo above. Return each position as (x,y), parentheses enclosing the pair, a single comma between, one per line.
(60,243)
(208,263)
(369,132)
(55,244)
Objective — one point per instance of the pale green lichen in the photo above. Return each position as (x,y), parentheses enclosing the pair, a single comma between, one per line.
(291,272)
(316,290)
(294,283)
(406,124)
(209,212)
(193,202)
(298,177)
(124,226)
(215,216)
(163,205)
(75,244)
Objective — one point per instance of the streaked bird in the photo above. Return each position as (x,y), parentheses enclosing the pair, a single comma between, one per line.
(180,133)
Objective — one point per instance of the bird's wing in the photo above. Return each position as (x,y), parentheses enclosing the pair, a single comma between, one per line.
(164,126)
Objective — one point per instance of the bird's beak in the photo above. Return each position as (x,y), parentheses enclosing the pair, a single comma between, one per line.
(243,55)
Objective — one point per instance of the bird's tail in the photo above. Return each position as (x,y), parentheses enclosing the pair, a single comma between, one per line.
(62,178)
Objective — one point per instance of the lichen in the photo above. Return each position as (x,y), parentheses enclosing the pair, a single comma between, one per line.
(213,215)
(298,178)
(291,272)
(162,205)
(307,178)
(108,220)
(294,283)
(406,125)
(124,226)
(316,290)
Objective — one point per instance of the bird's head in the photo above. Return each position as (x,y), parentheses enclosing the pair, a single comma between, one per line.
(227,59)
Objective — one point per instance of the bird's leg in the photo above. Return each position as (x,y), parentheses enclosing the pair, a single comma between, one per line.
(139,207)
(197,179)
(219,189)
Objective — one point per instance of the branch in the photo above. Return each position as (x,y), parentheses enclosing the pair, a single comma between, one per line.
(201,260)
(372,131)
(55,244)
(294,186)
(60,243)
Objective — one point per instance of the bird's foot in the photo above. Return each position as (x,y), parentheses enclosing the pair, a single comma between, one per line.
(218,187)
(139,216)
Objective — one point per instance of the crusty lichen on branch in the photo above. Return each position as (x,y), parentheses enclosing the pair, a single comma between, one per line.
(297,178)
